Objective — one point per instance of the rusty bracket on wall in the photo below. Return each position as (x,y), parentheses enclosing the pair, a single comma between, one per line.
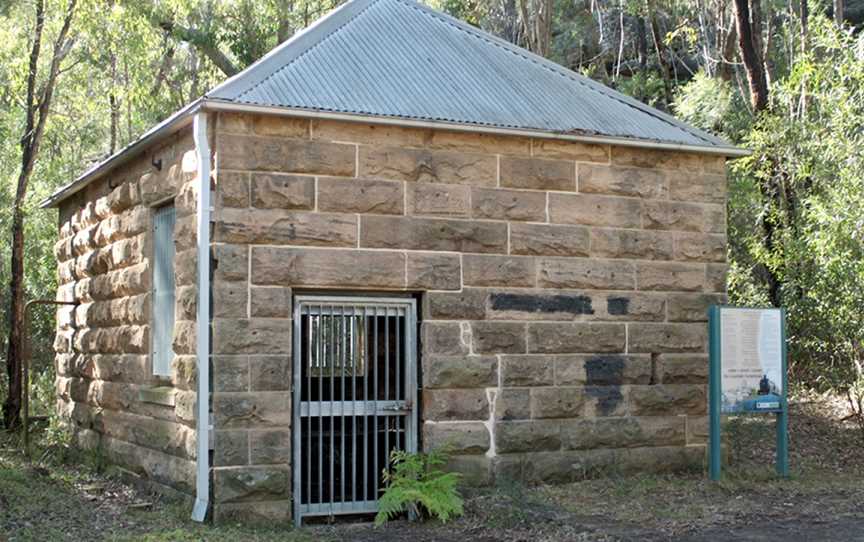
(25,367)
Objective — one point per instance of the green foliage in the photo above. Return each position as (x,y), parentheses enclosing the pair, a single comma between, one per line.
(416,483)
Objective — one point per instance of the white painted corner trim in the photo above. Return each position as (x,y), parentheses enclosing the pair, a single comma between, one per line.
(202,324)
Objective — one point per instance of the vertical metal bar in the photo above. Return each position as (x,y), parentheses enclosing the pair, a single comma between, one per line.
(297,435)
(377,475)
(331,342)
(309,346)
(320,350)
(387,385)
(353,355)
(365,354)
(783,415)
(398,354)
(411,370)
(714,351)
(342,344)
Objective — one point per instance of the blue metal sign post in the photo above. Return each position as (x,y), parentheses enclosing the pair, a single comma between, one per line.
(766,329)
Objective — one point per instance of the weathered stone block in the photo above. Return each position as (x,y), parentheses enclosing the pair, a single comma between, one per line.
(285,155)
(638,157)
(445,338)
(230,373)
(235,123)
(700,247)
(457,438)
(691,307)
(642,183)
(594,210)
(631,244)
(662,459)
(265,513)
(658,338)
(292,192)
(586,273)
(602,401)
(460,371)
(527,370)
(511,271)
(232,189)
(671,215)
(360,196)
(270,373)
(230,299)
(697,430)
(538,305)
(401,164)
(270,447)
(277,125)
(477,142)
(468,304)
(537,173)
(431,271)
(557,402)
(623,432)
(500,204)
(231,262)
(317,267)
(251,336)
(545,240)
(683,369)
(527,436)
(670,276)
(440,234)
(550,338)
(270,302)
(602,370)
(258,483)
(248,410)
(435,199)
(498,337)
(569,466)
(230,448)
(461,404)
(668,399)
(690,186)
(632,307)
(513,404)
(369,134)
(279,227)
(570,150)
(715,277)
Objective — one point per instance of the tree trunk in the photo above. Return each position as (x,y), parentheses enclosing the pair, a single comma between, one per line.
(839,10)
(751,55)
(536,18)
(37,110)
(659,48)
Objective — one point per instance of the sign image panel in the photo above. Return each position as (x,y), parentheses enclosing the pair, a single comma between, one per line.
(751,351)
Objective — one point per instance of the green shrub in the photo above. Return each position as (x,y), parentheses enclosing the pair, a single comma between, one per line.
(416,484)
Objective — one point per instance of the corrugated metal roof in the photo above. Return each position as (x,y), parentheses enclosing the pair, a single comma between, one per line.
(399,62)
(400,59)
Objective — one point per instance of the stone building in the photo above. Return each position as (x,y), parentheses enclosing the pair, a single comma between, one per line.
(430,235)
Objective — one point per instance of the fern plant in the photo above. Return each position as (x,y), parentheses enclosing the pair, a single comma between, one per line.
(416,484)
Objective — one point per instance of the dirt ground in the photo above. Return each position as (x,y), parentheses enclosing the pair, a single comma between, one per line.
(76,498)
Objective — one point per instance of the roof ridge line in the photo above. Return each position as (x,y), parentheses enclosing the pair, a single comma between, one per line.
(564,72)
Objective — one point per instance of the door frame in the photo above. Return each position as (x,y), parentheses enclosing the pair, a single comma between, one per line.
(411,350)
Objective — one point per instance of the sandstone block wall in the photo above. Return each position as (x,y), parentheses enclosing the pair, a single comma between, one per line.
(563,291)
(105,385)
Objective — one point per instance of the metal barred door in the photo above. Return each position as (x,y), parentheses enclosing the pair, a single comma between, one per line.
(354,391)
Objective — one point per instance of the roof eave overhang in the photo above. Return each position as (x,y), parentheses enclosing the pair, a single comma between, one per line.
(223,105)
(183,118)
(173,124)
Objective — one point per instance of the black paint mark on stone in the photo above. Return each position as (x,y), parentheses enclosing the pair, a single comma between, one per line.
(608,398)
(604,371)
(573,304)
(617,306)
